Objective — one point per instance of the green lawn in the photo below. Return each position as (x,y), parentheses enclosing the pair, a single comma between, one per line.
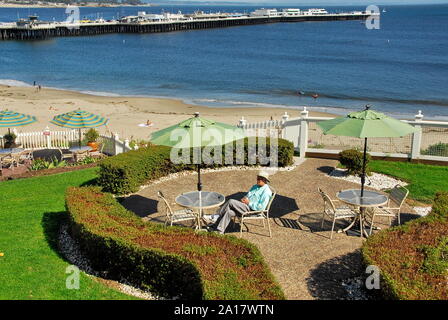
(30,212)
(424,180)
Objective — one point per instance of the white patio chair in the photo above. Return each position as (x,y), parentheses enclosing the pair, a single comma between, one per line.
(26,155)
(397,197)
(179,215)
(8,161)
(81,155)
(257,215)
(98,153)
(335,213)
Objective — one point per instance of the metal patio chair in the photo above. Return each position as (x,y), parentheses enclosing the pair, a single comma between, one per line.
(335,213)
(397,197)
(178,215)
(257,215)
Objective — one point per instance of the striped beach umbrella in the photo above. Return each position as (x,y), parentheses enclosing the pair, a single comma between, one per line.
(14,119)
(79,119)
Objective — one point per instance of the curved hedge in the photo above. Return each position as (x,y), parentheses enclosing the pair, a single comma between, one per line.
(124,173)
(413,258)
(169,261)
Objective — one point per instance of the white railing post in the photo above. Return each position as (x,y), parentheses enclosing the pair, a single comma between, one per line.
(285,118)
(47,133)
(126,145)
(303,134)
(242,123)
(14,131)
(417,137)
(116,141)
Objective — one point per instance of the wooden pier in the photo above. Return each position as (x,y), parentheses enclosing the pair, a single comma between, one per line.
(62,29)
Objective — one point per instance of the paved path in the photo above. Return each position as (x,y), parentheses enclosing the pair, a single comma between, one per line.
(307,264)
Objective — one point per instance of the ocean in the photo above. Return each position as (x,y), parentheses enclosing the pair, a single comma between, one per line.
(399,69)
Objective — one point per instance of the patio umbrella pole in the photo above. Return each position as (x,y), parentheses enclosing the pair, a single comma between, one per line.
(199,178)
(79,138)
(363,175)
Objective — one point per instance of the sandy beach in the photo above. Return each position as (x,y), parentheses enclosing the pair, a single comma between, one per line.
(124,113)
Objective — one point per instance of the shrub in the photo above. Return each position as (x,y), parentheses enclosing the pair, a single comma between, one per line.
(40,164)
(124,173)
(91,135)
(439,149)
(413,258)
(168,261)
(9,140)
(352,160)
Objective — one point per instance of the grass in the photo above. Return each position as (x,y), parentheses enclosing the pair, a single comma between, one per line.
(424,180)
(31,268)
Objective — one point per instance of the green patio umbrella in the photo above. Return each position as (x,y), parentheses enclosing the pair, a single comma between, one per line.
(197,132)
(79,119)
(366,124)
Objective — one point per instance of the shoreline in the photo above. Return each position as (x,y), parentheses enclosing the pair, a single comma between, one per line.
(125,113)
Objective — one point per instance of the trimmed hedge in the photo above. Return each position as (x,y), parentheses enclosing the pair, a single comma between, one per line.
(124,173)
(168,261)
(413,258)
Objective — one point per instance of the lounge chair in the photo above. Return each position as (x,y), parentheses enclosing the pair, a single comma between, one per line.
(257,215)
(335,213)
(179,215)
(397,197)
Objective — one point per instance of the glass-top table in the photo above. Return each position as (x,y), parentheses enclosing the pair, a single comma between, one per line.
(370,199)
(11,150)
(200,200)
(80,149)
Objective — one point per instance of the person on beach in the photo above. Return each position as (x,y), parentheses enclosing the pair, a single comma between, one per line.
(256,199)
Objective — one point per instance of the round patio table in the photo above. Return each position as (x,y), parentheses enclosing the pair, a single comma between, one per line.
(11,150)
(370,199)
(80,149)
(200,200)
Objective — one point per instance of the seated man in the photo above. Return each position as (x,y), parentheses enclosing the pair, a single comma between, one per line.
(256,199)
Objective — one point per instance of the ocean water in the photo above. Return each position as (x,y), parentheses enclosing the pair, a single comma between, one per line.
(399,69)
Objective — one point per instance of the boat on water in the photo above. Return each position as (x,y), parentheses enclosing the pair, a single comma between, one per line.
(315,96)
(301,93)
(384,11)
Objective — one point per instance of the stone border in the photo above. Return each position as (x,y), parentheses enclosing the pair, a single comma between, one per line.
(71,250)
(184,173)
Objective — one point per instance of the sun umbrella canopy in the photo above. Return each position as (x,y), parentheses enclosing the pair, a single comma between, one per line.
(197,132)
(79,119)
(366,124)
(15,119)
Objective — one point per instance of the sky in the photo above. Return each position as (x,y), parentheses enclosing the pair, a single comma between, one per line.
(312,2)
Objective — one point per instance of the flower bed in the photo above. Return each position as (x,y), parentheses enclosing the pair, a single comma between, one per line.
(413,258)
(169,261)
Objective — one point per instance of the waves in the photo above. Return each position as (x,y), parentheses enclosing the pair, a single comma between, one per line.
(14,83)
(345,97)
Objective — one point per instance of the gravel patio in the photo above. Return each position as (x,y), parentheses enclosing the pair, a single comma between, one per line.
(307,264)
